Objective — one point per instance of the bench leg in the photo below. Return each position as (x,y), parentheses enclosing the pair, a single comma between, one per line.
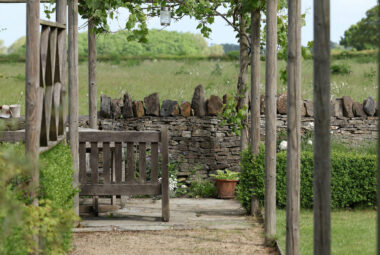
(95,202)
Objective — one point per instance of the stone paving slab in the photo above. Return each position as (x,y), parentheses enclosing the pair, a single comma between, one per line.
(145,215)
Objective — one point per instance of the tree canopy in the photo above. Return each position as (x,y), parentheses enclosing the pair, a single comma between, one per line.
(364,34)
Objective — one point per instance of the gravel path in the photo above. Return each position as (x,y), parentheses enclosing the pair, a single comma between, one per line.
(201,241)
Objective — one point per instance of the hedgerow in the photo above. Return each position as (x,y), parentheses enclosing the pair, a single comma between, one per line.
(353,179)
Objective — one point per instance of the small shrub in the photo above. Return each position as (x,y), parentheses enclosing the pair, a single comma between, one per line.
(202,189)
(343,69)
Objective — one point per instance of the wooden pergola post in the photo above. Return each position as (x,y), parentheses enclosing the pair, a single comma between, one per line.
(294,129)
(322,164)
(33,97)
(270,123)
(255,81)
(73,93)
(378,152)
(92,89)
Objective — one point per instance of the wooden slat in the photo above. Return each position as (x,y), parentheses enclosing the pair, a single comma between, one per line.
(106,162)
(52,24)
(54,121)
(142,162)
(165,175)
(154,157)
(120,189)
(94,163)
(43,53)
(118,162)
(51,56)
(131,167)
(12,136)
(82,163)
(123,136)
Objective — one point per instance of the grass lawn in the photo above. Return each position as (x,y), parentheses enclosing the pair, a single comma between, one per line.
(353,231)
(176,79)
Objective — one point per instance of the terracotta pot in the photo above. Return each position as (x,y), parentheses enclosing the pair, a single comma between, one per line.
(226,188)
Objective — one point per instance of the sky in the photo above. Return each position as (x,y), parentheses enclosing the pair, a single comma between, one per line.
(344,13)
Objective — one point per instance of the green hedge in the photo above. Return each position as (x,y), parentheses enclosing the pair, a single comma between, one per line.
(353,179)
(54,218)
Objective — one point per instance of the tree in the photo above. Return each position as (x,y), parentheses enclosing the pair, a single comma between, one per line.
(363,35)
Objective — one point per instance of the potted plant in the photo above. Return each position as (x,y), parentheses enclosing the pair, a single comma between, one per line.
(226,183)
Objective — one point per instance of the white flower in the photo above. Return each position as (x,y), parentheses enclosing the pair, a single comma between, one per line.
(283,145)
(309,142)
(310,125)
(183,186)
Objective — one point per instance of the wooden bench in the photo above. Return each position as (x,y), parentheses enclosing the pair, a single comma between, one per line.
(116,178)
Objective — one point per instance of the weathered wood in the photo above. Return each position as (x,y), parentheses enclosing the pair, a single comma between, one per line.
(270,122)
(52,24)
(131,167)
(322,165)
(294,129)
(94,163)
(242,86)
(44,46)
(165,175)
(106,163)
(33,97)
(12,136)
(54,121)
(82,163)
(124,136)
(73,91)
(378,150)
(142,162)
(154,158)
(118,162)
(255,81)
(120,189)
(61,6)
(92,89)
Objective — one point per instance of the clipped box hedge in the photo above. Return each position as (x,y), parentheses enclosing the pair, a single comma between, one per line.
(353,179)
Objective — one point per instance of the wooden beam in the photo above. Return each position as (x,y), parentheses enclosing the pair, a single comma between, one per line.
(294,129)
(120,189)
(92,88)
(119,136)
(73,92)
(270,122)
(322,164)
(52,24)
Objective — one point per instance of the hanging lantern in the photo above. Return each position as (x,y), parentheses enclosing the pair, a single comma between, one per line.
(165,16)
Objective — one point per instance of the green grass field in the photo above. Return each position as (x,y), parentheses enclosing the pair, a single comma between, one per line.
(353,232)
(176,79)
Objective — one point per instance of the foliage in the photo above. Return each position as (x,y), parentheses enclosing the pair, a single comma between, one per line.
(53,219)
(233,117)
(342,68)
(353,179)
(364,34)
(202,189)
(226,175)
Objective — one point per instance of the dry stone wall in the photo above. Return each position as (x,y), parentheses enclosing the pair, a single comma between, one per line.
(200,145)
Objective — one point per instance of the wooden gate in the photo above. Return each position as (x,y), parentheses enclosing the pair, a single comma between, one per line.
(117,173)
